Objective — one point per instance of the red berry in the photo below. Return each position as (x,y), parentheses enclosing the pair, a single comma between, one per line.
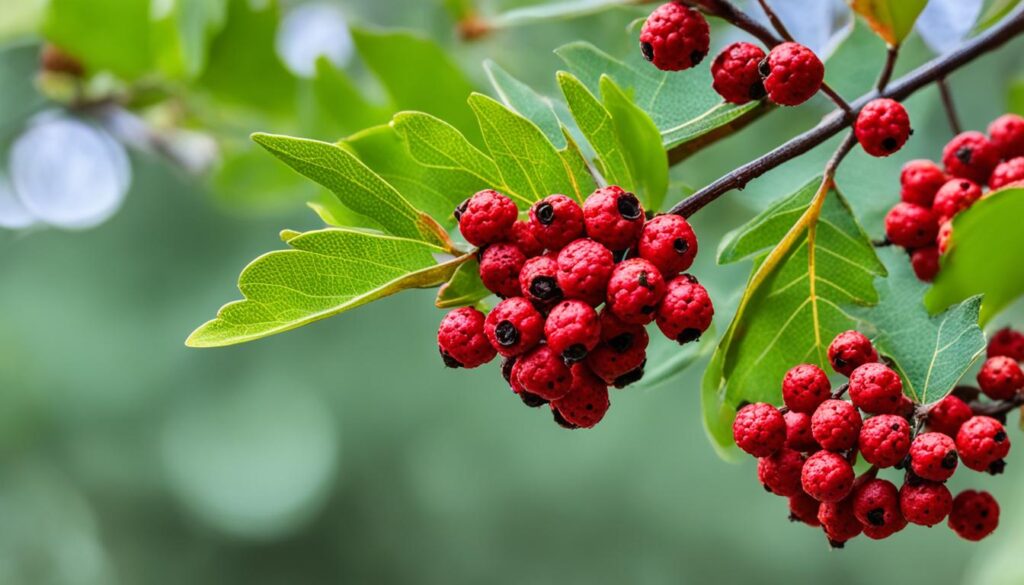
(621,335)
(461,339)
(947,415)
(1007,134)
(882,127)
(1008,173)
(850,350)
(876,389)
(805,387)
(1000,378)
(925,262)
(500,265)
(613,217)
(622,350)
(981,442)
(779,473)
(675,37)
(792,74)
(933,456)
(804,508)
(486,217)
(884,440)
(827,477)
(943,240)
(556,220)
(1007,342)
(839,521)
(798,432)
(514,326)
(925,502)
(543,373)
(919,181)
(668,242)
(759,429)
(735,73)
(836,425)
(911,226)
(974,515)
(538,280)
(634,291)
(584,267)
(572,330)
(686,310)
(876,504)
(522,236)
(955,196)
(587,401)
(969,155)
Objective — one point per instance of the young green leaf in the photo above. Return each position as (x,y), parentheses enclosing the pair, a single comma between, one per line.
(325,273)
(523,99)
(182,31)
(464,288)
(596,124)
(641,143)
(890,19)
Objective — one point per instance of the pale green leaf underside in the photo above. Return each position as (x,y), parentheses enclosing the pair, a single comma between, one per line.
(465,287)
(523,99)
(641,142)
(596,124)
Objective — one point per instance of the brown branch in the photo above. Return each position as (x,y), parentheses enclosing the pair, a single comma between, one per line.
(773,17)
(948,105)
(891,53)
(997,408)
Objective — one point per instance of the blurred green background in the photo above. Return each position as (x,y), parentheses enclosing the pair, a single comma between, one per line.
(344,453)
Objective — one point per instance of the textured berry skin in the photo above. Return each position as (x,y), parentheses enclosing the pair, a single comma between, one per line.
(486,217)
(827,477)
(587,400)
(839,521)
(970,155)
(920,180)
(538,280)
(759,429)
(556,220)
(623,348)
(572,330)
(882,127)
(613,217)
(686,311)
(974,515)
(1000,378)
(1007,134)
(805,387)
(982,441)
(955,196)
(675,37)
(884,440)
(836,425)
(584,267)
(668,242)
(933,456)
(514,326)
(734,73)
(926,503)
(948,415)
(876,389)
(522,236)
(798,432)
(1006,173)
(911,226)
(779,473)
(850,350)
(621,335)
(943,240)
(530,400)
(876,504)
(634,291)
(543,373)
(804,508)
(461,339)
(500,265)
(925,262)
(1007,342)
(792,74)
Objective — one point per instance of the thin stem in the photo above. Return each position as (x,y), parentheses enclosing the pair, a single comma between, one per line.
(997,408)
(948,105)
(773,17)
(836,98)
(891,53)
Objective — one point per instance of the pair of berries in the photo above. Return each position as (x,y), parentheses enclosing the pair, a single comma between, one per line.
(931,196)
(578,286)
(806,450)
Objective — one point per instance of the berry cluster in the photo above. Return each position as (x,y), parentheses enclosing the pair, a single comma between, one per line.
(932,195)
(578,285)
(807,449)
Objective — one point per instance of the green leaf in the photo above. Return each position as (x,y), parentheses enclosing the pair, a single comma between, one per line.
(596,124)
(995,12)
(182,32)
(794,301)
(358,187)
(334,213)
(523,99)
(325,273)
(465,287)
(890,19)
(641,144)
(1015,97)
(547,12)
(930,353)
(105,35)
(341,102)
(984,255)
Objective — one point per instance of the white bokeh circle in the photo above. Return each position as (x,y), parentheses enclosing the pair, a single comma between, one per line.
(13,214)
(310,31)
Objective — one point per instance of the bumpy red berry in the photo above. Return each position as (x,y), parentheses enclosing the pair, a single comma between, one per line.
(955,196)
(759,429)
(613,217)
(587,400)
(827,477)
(933,456)
(500,265)
(668,242)
(1007,134)
(805,387)
(735,75)
(1007,342)
(920,180)
(514,326)
(792,74)
(884,440)
(584,267)
(911,226)
(461,339)
(804,508)
(486,217)
(572,330)
(850,350)
(543,373)
(948,415)
(925,262)
(1000,378)
(522,236)
(622,350)
(974,515)
(675,37)
(634,291)
(538,280)
(798,432)
(926,503)
(836,425)
(510,368)
(686,310)
(982,442)
(882,127)
(839,521)
(876,504)
(779,473)
(876,389)
(556,220)
(1008,173)
(970,155)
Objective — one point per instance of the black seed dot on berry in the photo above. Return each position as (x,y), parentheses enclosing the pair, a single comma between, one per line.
(764,68)
(997,467)
(680,245)
(643,281)
(545,213)
(648,309)
(688,335)
(984,513)
(756,91)
(964,154)
(545,288)
(531,400)
(876,517)
(589,406)
(506,334)
(895,427)
(506,368)
(561,420)
(838,362)
(697,56)
(691,278)
(621,342)
(999,437)
(550,385)
(460,209)
(964,185)
(890,144)
(574,353)
(836,544)
(766,488)
(648,51)
(629,207)
(449,361)
(630,377)
(949,461)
